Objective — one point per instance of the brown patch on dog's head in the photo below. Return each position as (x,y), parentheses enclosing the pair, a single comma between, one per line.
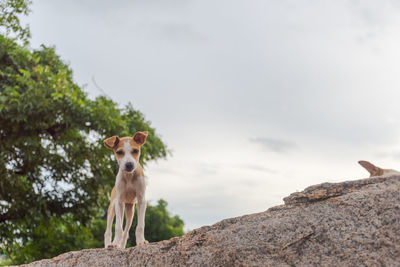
(120,146)
(125,144)
(371,168)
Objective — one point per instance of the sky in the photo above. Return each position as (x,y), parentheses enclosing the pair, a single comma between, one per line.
(256,99)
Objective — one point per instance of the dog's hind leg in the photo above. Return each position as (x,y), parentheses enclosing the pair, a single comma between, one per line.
(110,219)
(129,212)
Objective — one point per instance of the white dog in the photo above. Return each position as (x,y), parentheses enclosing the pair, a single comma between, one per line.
(129,187)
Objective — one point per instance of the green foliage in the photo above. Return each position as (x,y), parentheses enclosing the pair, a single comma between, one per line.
(50,238)
(10,23)
(6,262)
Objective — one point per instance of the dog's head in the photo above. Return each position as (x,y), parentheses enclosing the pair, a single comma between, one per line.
(127,150)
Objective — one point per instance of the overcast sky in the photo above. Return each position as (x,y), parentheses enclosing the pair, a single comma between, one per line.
(255,98)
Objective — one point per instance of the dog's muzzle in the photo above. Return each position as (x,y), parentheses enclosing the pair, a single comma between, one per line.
(129,166)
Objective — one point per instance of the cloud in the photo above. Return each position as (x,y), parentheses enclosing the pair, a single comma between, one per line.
(395,154)
(276,145)
(260,168)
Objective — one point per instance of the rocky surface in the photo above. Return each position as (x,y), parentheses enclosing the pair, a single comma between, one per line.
(354,223)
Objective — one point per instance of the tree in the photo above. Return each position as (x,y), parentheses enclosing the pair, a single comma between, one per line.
(55,173)
(9,19)
(50,238)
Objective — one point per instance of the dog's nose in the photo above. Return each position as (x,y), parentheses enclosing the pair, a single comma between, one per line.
(129,166)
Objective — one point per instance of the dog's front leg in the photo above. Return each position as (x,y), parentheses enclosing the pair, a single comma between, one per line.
(119,214)
(110,219)
(140,226)
(129,211)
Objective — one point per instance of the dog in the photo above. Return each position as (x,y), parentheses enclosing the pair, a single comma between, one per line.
(376,171)
(129,188)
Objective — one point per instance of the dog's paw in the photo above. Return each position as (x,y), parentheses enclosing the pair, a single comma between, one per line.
(145,242)
(112,246)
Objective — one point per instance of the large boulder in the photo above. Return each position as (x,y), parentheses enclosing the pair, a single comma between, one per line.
(354,223)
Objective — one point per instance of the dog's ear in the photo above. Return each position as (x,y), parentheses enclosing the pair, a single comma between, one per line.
(371,168)
(140,137)
(111,142)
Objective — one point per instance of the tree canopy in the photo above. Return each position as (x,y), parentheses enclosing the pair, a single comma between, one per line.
(10,23)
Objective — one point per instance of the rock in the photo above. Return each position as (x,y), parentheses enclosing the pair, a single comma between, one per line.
(327,190)
(354,223)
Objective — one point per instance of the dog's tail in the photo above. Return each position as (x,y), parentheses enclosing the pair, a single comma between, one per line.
(371,168)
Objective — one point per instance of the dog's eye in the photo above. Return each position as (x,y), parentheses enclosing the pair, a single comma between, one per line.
(135,151)
(120,152)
